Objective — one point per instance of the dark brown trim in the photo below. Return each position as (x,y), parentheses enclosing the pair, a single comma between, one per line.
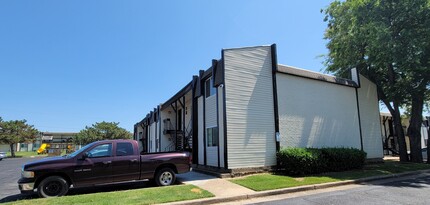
(159,129)
(358,78)
(184,131)
(176,124)
(217,124)
(182,103)
(149,139)
(217,72)
(204,116)
(177,96)
(206,74)
(275,92)
(195,123)
(225,115)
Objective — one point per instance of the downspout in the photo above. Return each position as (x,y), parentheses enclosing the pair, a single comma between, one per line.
(275,95)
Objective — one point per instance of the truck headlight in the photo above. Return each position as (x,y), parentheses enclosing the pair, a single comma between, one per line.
(27,174)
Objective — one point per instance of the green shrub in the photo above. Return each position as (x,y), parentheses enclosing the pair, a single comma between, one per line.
(303,161)
(300,161)
(342,159)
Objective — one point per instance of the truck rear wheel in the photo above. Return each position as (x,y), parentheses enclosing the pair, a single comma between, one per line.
(165,177)
(53,186)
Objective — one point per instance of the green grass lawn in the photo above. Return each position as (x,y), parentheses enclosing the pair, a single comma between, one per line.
(24,154)
(137,196)
(262,182)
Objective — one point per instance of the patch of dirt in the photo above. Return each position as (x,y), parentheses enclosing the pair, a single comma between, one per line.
(195,190)
(300,179)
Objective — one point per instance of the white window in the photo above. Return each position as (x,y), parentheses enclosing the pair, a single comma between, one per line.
(209,88)
(212,137)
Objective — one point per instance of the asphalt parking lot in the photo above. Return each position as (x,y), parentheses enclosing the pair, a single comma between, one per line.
(10,172)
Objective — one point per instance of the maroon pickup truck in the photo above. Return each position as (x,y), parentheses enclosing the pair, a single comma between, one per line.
(101,163)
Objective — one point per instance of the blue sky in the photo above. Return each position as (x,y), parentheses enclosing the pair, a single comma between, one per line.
(65,65)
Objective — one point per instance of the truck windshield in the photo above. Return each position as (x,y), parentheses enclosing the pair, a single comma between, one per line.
(80,150)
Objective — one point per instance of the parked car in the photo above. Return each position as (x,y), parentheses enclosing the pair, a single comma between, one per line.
(2,155)
(101,163)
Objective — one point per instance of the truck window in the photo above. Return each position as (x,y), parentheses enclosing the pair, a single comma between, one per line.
(124,149)
(103,150)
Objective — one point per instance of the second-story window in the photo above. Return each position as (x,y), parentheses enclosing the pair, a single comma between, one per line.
(209,88)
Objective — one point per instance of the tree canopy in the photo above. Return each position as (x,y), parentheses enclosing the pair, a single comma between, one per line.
(16,131)
(388,41)
(101,131)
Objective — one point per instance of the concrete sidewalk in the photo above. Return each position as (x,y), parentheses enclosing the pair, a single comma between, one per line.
(217,186)
(226,191)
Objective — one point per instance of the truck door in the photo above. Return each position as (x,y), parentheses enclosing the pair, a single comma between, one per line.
(96,168)
(126,162)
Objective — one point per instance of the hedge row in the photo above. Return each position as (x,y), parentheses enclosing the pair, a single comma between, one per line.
(303,161)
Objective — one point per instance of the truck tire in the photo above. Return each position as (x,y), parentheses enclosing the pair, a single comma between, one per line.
(165,177)
(53,186)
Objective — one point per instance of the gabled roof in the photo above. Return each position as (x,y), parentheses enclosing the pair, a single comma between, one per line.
(315,76)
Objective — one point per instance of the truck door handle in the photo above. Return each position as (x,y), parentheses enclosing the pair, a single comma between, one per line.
(133,160)
(107,162)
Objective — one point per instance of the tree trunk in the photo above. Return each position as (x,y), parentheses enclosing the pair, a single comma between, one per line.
(12,151)
(414,129)
(400,133)
(395,113)
(428,140)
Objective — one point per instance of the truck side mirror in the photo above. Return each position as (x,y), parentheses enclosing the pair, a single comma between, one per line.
(84,156)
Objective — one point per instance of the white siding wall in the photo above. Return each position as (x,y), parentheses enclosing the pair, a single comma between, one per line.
(210,111)
(313,113)
(249,107)
(152,137)
(211,121)
(370,119)
(137,137)
(200,130)
(424,136)
(167,139)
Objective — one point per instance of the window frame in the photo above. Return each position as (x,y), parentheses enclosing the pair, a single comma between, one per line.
(92,157)
(212,141)
(211,90)
(129,144)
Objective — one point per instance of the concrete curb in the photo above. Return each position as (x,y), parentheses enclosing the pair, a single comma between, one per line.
(297,189)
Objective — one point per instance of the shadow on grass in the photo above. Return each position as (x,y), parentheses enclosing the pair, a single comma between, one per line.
(17,197)
(380,169)
(86,190)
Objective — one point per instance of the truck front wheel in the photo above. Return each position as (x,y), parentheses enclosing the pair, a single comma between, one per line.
(165,177)
(53,186)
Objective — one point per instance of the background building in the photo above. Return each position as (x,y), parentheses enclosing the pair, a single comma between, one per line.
(59,140)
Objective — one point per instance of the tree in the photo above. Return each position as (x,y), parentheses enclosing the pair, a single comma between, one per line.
(101,131)
(388,41)
(16,131)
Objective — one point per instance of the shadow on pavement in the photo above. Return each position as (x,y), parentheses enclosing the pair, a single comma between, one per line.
(87,190)
(419,181)
(193,176)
